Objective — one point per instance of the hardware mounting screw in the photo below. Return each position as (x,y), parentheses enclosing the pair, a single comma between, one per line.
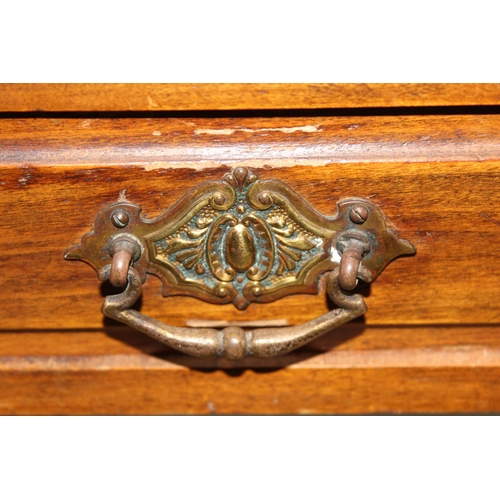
(358,214)
(120,218)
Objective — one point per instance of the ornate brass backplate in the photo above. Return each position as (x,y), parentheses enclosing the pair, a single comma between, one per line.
(239,240)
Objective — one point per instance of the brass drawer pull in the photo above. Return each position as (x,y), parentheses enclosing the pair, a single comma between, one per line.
(240,240)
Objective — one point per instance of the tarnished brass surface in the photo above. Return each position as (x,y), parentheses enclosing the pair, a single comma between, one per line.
(240,240)
(232,342)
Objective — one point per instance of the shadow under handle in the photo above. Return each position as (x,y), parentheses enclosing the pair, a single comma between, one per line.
(233,342)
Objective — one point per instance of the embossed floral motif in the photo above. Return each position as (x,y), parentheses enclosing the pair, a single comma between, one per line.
(291,241)
(236,249)
(188,243)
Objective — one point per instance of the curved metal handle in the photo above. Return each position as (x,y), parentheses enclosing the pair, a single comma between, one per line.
(232,342)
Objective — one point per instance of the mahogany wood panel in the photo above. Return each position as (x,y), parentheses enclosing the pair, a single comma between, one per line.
(356,369)
(435,178)
(426,381)
(213,96)
(429,343)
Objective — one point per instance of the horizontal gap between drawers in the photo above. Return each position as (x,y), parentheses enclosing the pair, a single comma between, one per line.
(264,113)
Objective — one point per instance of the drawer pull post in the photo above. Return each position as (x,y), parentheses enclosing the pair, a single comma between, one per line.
(353,247)
(124,250)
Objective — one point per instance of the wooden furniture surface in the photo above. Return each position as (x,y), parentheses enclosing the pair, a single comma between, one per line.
(430,341)
(229,96)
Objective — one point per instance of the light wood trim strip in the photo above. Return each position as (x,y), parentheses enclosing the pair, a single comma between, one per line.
(222,96)
(441,357)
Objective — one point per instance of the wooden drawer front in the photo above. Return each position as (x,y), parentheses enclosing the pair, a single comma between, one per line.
(434,315)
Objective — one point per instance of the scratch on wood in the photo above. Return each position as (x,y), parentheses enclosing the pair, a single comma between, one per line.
(250,163)
(122,195)
(151,103)
(229,131)
(490,218)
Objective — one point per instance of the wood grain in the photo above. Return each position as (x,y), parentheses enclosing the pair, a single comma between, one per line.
(435,179)
(356,369)
(189,97)
(202,144)
(419,382)
(429,343)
